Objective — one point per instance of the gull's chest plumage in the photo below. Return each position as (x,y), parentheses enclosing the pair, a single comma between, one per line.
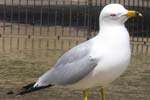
(111,66)
(113,55)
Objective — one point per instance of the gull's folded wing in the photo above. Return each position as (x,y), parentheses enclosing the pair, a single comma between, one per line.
(73,66)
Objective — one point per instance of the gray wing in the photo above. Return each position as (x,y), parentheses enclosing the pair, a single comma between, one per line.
(71,67)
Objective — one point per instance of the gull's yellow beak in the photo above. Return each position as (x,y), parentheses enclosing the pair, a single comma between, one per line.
(132,13)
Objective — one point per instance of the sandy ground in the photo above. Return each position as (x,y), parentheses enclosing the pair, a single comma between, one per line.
(18,69)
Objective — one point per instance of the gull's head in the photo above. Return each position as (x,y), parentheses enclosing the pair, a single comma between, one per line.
(116,14)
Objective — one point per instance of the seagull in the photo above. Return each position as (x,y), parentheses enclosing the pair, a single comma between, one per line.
(96,62)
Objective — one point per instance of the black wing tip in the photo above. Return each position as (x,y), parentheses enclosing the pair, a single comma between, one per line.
(22,90)
(27,89)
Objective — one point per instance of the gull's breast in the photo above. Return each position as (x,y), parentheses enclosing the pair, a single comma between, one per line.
(110,66)
(107,70)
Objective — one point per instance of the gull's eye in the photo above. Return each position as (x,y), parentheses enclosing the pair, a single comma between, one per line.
(113,15)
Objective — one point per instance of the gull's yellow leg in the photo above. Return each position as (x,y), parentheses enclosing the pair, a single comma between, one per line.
(102,92)
(85,94)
